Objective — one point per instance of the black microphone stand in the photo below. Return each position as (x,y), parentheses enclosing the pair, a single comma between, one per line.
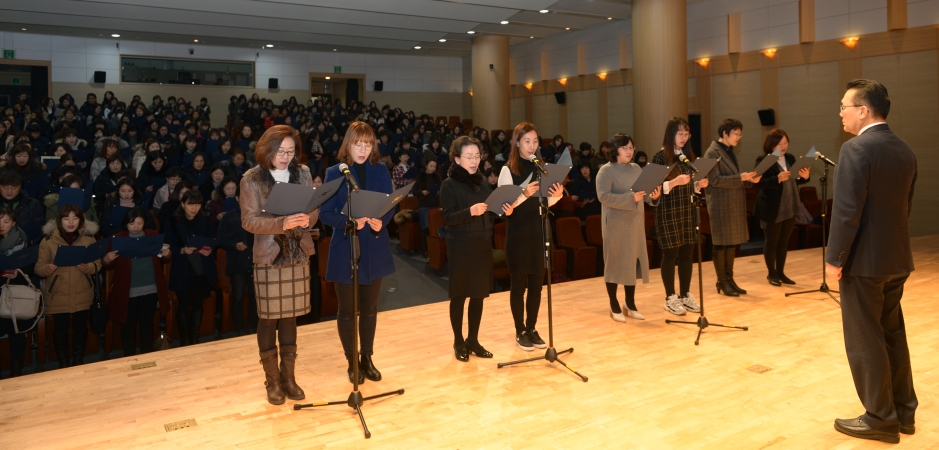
(355,399)
(551,354)
(702,321)
(824,287)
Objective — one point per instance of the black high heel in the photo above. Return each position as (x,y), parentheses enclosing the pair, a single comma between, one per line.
(461,352)
(725,288)
(733,284)
(785,280)
(478,350)
(774,280)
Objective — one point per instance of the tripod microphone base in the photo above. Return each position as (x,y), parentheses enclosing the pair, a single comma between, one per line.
(355,402)
(823,288)
(703,323)
(550,355)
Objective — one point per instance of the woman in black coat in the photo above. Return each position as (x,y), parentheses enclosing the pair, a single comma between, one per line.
(583,188)
(239,268)
(469,242)
(524,247)
(427,191)
(777,205)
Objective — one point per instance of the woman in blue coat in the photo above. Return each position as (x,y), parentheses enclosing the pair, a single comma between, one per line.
(359,152)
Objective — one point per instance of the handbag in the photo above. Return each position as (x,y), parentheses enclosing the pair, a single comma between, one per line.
(98,316)
(18,302)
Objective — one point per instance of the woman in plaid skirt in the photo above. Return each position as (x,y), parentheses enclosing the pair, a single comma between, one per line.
(674,220)
(282,250)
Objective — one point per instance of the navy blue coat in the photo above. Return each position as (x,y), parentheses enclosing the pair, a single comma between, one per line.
(176,236)
(230,233)
(376,261)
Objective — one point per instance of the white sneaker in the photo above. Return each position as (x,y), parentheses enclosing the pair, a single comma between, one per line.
(690,303)
(619,317)
(634,314)
(673,305)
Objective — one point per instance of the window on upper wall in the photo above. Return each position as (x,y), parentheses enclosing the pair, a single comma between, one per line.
(139,69)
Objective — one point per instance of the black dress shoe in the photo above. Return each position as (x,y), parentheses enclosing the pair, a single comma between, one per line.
(785,280)
(361,375)
(461,353)
(907,429)
(478,350)
(774,280)
(856,427)
(368,369)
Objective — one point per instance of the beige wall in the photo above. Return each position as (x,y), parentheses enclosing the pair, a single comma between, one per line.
(737,96)
(582,118)
(516,111)
(620,111)
(547,116)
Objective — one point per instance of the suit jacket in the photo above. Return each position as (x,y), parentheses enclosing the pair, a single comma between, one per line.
(770,195)
(376,261)
(726,199)
(873,197)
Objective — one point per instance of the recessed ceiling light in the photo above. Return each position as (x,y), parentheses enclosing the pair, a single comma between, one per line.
(609,18)
(417,47)
(334,49)
(115,35)
(568,28)
(327,78)
(269,45)
(543,11)
(504,22)
(24,29)
(195,40)
(442,40)
(471,32)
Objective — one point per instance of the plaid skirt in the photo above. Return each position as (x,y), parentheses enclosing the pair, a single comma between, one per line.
(282,292)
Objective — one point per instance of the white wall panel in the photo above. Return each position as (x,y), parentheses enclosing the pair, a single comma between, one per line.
(922,12)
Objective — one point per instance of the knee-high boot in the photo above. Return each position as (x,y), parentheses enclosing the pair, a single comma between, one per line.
(194,324)
(275,393)
(78,352)
(61,351)
(731,253)
(288,361)
(720,267)
(182,326)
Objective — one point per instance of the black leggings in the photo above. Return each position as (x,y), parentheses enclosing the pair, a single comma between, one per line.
(272,330)
(140,311)
(777,245)
(368,316)
(456,319)
(630,297)
(79,325)
(683,257)
(520,305)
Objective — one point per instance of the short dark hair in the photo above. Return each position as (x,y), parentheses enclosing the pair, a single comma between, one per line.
(872,94)
(175,171)
(10,178)
(729,125)
(773,139)
(619,140)
(132,215)
(9,212)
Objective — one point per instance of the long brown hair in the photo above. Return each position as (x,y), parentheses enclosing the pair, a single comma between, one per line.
(676,124)
(515,160)
(269,144)
(358,132)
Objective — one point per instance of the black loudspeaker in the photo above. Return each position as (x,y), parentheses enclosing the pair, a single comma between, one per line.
(100,76)
(379,85)
(561,97)
(767,117)
(272,83)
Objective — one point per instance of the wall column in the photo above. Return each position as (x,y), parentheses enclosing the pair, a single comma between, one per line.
(491,89)
(660,68)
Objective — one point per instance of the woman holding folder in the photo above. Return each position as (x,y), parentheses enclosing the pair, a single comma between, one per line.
(116,208)
(359,153)
(281,254)
(69,290)
(469,242)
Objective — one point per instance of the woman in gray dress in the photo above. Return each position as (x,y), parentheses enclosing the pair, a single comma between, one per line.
(623,226)
(727,204)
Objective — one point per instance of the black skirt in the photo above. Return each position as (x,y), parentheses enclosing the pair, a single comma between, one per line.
(470,268)
(524,249)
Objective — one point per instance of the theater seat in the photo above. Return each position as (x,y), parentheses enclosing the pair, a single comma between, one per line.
(595,230)
(329,303)
(582,256)
(436,244)
(467,124)
(409,232)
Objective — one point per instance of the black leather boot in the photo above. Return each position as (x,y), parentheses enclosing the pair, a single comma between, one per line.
(78,353)
(367,368)
(361,373)
(723,287)
(195,322)
(731,253)
(61,351)
(182,326)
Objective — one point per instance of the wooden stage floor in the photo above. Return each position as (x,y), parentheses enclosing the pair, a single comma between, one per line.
(650,386)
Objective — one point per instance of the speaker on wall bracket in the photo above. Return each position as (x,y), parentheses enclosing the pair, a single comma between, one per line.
(767,117)
(561,97)
(100,76)
(379,85)
(272,83)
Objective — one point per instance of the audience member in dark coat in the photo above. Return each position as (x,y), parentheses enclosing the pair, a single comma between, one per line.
(239,268)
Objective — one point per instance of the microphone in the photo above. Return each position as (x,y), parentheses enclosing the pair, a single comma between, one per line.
(825,159)
(681,157)
(349,178)
(538,164)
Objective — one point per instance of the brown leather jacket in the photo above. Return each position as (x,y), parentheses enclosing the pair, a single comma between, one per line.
(255,187)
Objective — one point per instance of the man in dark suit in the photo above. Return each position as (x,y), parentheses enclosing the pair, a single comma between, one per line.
(869,252)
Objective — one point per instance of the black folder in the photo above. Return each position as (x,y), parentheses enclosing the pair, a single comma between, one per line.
(704,166)
(287,199)
(556,174)
(651,177)
(803,162)
(73,255)
(74,196)
(765,164)
(375,204)
(20,259)
(140,247)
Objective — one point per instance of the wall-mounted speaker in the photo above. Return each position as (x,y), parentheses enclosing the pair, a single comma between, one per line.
(561,97)
(272,83)
(379,85)
(767,117)
(100,76)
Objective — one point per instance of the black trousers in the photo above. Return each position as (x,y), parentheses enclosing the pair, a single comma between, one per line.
(140,311)
(776,246)
(368,316)
(682,256)
(17,340)
(521,305)
(79,325)
(875,341)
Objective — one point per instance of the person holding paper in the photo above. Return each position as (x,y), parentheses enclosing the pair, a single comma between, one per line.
(727,204)
(67,292)
(524,247)
(194,272)
(281,255)
(226,190)
(51,200)
(674,217)
(12,240)
(778,205)
(106,182)
(127,197)
(469,242)
(137,287)
(359,153)
(625,258)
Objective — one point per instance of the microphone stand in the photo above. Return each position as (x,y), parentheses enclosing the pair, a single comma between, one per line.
(355,399)
(824,287)
(551,354)
(702,321)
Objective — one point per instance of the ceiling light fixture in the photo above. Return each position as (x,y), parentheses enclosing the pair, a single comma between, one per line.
(850,42)
(531,37)
(568,28)
(195,40)
(563,81)
(417,47)
(269,45)
(602,76)
(543,11)
(442,40)
(24,29)
(609,18)
(470,32)
(504,22)
(334,49)
(529,85)
(115,35)
(769,53)
(327,78)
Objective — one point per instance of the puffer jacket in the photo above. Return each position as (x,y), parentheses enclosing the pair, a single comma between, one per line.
(67,289)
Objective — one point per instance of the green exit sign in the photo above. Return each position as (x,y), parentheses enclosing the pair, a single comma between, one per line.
(17,81)
(336,69)
(9,54)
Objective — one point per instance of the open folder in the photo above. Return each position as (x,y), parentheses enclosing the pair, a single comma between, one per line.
(504,194)
(74,196)
(373,204)
(73,255)
(651,177)
(201,242)
(556,174)
(803,162)
(20,259)
(765,164)
(287,199)
(704,166)
(142,247)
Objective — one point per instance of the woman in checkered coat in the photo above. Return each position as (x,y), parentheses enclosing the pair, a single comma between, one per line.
(282,250)
(674,219)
